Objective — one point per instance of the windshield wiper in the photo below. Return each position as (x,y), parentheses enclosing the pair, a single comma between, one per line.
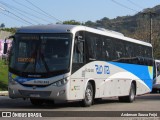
(45,64)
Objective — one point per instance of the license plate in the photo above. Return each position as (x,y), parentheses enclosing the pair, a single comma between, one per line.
(34,95)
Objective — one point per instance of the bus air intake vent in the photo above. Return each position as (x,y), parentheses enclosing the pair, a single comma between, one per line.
(32,93)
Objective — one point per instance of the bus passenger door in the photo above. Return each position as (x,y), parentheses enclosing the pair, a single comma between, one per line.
(158,72)
(156,82)
(78,69)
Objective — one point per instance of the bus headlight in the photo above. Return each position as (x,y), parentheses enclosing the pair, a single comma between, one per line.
(61,82)
(12,81)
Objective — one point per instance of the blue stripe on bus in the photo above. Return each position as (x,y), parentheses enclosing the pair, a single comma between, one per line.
(22,80)
(140,71)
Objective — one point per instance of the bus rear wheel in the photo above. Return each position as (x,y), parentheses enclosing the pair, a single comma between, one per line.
(131,97)
(88,99)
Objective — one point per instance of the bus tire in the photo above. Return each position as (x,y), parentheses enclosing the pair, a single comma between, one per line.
(88,99)
(36,102)
(97,100)
(131,97)
(154,91)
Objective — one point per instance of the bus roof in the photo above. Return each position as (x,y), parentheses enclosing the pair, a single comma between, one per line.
(59,28)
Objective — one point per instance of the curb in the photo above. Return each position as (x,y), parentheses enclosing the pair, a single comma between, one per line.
(3,93)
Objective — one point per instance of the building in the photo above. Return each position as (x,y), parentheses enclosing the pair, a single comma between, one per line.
(3,35)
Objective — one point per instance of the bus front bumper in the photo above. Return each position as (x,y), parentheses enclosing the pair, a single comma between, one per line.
(50,92)
(156,86)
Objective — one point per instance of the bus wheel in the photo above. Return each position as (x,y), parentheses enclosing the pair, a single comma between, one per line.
(131,97)
(36,102)
(88,100)
(154,91)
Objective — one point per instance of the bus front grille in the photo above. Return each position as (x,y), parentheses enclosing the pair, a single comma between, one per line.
(42,94)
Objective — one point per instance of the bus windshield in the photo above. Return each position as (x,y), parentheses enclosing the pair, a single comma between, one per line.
(40,53)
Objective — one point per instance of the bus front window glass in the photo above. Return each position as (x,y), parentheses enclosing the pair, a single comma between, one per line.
(41,53)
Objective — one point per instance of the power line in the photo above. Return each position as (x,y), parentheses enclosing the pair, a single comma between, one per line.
(29,8)
(15,15)
(124,6)
(26,7)
(13,8)
(35,16)
(135,4)
(51,16)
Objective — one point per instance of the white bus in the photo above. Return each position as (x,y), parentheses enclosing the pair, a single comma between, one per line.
(156,82)
(67,62)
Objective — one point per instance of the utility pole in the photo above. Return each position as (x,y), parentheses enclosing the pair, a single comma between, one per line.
(151,15)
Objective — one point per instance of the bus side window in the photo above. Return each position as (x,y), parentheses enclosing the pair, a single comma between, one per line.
(106,46)
(119,48)
(145,52)
(140,50)
(91,46)
(128,53)
(78,59)
(149,51)
(98,47)
(129,50)
(78,55)
(158,69)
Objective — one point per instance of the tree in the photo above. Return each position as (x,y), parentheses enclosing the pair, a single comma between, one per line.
(12,30)
(72,22)
(90,24)
(2,25)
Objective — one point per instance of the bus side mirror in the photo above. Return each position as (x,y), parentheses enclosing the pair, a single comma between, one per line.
(5,48)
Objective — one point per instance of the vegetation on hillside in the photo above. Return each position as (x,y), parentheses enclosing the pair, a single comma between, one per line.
(12,30)
(3,75)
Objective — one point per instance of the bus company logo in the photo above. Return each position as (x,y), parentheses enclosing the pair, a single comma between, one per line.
(6,114)
(100,69)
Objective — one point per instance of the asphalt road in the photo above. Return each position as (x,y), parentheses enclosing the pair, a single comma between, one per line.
(148,102)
